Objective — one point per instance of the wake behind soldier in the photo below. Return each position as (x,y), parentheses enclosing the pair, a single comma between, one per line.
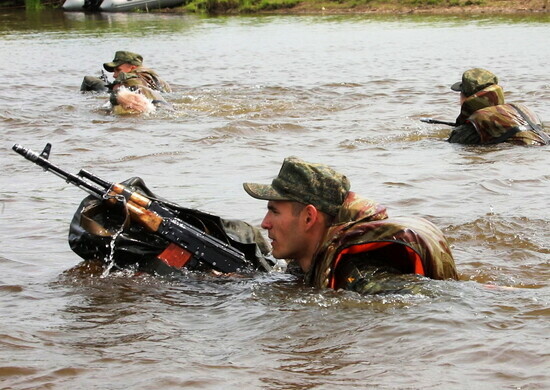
(129,74)
(485,118)
(343,241)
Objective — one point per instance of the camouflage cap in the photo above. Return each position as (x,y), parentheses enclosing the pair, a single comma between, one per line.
(123,57)
(474,80)
(307,183)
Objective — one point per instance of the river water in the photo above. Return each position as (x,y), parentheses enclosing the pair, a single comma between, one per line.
(347,91)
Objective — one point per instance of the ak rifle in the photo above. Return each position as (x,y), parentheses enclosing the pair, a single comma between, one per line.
(437,121)
(186,241)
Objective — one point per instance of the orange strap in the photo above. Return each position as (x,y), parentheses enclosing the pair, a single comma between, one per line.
(370,246)
(175,256)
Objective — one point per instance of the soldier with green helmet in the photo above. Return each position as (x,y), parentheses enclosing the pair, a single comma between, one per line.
(342,241)
(485,118)
(129,72)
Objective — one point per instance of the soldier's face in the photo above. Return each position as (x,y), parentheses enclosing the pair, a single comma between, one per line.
(125,68)
(285,229)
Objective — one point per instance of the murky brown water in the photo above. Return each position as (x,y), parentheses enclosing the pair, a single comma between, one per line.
(249,91)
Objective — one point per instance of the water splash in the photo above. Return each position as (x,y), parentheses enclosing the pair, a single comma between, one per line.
(110,259)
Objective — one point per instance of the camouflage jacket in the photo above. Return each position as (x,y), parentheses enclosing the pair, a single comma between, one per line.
(364,248)
(486,119)
(142,77)
(144,80)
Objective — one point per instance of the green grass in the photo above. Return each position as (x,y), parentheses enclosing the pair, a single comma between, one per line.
(252,6)
(33,4)
(237,6)
(216,7)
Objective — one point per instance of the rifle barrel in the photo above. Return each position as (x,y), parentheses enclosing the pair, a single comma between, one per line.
(94,178)
(437,121)
(48,166)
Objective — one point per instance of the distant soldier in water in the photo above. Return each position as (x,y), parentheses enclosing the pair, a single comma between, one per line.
(142,85)
(342,241)
(486,119)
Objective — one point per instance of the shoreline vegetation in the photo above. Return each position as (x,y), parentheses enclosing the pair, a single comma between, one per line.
(343,7)
(330,7)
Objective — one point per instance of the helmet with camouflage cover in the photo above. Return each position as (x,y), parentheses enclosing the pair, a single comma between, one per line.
(308,183)
(123,57)
(474,80)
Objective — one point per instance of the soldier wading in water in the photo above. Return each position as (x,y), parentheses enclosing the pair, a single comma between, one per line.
(135,88)
(342,241)
(486,119)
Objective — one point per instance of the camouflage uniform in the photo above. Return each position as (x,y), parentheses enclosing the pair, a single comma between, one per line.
(362,250)
(486,119)
(142,77)
(136,83)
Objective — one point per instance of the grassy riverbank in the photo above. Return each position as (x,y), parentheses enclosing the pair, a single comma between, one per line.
(331,6)
(364,6)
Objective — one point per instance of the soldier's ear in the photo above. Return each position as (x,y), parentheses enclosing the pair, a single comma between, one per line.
(311,214)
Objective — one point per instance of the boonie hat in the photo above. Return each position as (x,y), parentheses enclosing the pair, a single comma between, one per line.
(474,80)
(304,182)
(123,57)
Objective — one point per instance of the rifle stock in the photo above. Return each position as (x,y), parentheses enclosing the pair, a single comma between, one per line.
(187,242)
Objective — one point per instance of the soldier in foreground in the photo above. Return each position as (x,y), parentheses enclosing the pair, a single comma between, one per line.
(486,119)
(135,89)
(342,241)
